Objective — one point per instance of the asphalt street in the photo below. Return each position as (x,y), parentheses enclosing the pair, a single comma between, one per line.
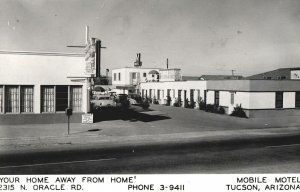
(274,155)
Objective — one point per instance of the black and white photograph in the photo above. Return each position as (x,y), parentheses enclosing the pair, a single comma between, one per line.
(97,87)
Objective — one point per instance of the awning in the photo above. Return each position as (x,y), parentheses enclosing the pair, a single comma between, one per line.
(126,87)
(102,88)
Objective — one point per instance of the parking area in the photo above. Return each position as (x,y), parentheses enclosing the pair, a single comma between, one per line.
(158,120)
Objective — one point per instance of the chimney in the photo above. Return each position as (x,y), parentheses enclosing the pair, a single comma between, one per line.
(138,62)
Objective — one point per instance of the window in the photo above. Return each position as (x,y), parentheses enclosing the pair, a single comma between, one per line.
(232,98)
(217,97)
(48,100)
(1,99)
(279,100)
(61,97)
(119,76)
(158,94)
(76,98)
(115,76)
(133,75)
(12,99)
(297,102)
(144,74)
(17,99)
(26,98)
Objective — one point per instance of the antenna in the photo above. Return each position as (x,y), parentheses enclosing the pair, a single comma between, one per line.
(167,63)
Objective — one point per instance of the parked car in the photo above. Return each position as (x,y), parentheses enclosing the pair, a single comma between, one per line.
(100,102)
(122,100)
(136,99)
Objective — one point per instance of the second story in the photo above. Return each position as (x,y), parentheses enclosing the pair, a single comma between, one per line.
(170,74)
(134,75)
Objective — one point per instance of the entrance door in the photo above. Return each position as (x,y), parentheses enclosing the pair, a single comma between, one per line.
(179,97)
(61,97)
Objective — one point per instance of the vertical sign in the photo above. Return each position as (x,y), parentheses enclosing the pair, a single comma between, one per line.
(90,56)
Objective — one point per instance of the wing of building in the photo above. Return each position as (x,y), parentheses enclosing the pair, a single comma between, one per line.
(37,87)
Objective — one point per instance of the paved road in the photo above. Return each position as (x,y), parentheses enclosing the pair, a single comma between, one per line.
(276,155)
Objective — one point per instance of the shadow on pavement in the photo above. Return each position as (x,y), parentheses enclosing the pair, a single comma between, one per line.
(132,114)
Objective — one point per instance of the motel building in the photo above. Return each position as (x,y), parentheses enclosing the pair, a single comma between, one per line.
(274,93)
(127,79)
(37,87)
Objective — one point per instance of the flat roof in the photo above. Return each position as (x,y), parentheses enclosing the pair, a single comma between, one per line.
(254,85)
(135,68)
(169,69)
(42,53)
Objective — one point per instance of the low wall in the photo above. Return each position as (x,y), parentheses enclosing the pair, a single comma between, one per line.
(19,119)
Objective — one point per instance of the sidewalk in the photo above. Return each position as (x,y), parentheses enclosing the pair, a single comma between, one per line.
(137,132)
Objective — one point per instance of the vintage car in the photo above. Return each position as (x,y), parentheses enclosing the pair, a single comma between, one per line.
(100,102)
(122,100)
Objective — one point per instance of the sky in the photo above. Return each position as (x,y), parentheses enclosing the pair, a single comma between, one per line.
(198,36)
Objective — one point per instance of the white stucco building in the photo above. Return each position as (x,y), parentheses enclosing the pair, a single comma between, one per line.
(127,79)
(38,86)
(258,98)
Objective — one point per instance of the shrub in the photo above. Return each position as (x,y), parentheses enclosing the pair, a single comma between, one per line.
(215,109)
(192,105)
(221,110)
(239,112)
(202,105)
(168,101)
(176,104)
(209,108)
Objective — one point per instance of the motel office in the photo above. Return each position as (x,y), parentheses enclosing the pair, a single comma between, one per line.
(36,87)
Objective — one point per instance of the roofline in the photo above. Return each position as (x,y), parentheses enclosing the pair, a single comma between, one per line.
(135,68)
(278,69)
(42,53)
(169,69)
